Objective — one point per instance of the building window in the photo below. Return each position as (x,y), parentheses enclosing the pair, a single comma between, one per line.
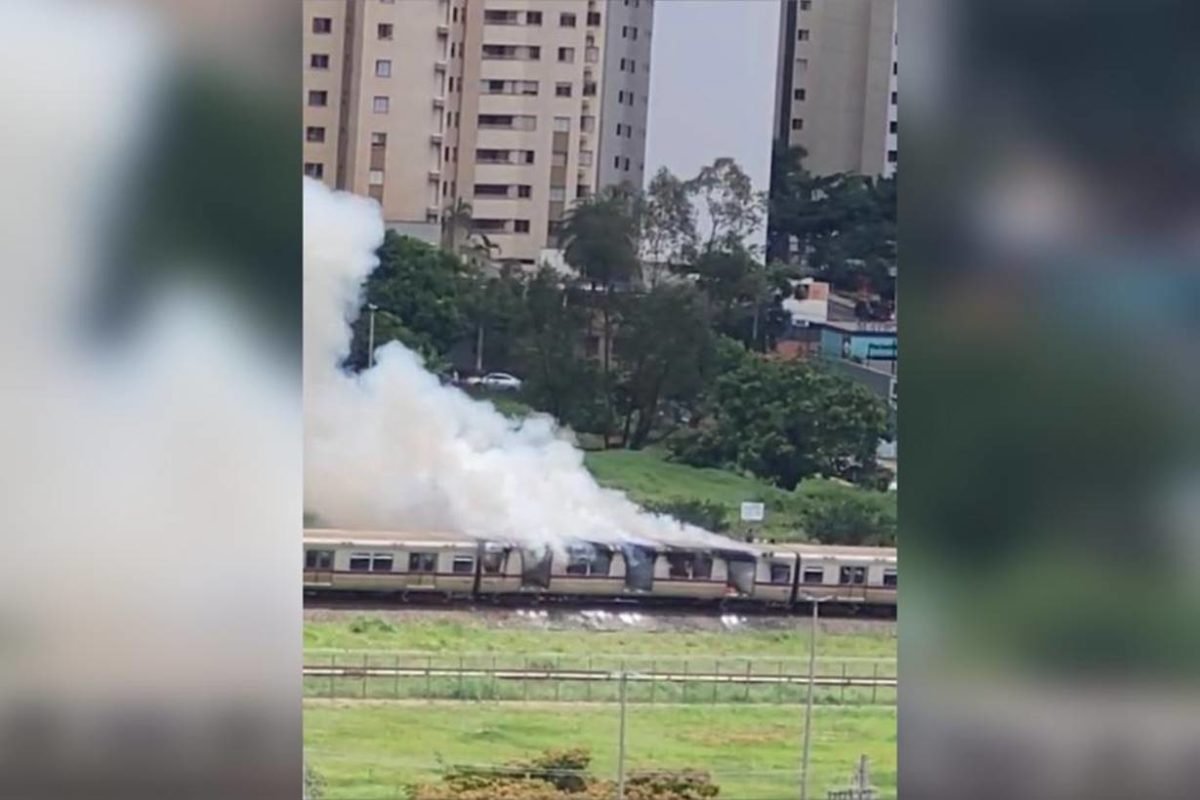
(633,66)
(383,68)
(566,55)
(566,20)
(558,159)
(562,90)
(593,18)
(620,127)
(533,18)
(375,177)
(797,124)
(633,34)
(521,226)
(895,68)
(621,97)
(624,31)
(314,133)
(384,31)
(319,61)
(380,105)
(589,89)
(621,66)
(529,156)
(314,169)
(491,190)
(802,34)
(524,190)
(895,97)
(893,126)
(379,139)
(616,162)
(454,15)
(557,194)
(322,25)
(893,156)
(318,98)
(626,165)
(585,158)
(805,5)
(492,17)
(582,191)
(800,94)
(562,124)
(801,65)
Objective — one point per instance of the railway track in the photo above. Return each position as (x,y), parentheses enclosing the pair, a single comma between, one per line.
(740,679)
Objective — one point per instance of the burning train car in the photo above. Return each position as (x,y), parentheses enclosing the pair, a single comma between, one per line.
(453,566)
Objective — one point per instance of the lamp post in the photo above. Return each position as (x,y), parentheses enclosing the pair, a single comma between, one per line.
(815,603)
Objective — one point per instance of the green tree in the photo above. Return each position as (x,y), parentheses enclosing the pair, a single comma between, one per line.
(599,238)
(420,293)
(456,225)
(733,208)
(706,514)
(668,225)
(786,421)
(834,513)
(663,345)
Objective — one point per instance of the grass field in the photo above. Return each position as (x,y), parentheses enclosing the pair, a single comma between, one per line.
(649,478)
(371,750)
(414,632)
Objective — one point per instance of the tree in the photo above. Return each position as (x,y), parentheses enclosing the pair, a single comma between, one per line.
(706,514)
(420,293)
(662,345)
(456,225)
(833,513)
(786,421)
(600,241)
(734,209)
(668,225)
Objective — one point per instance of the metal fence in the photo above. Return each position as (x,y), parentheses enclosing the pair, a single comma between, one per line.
(552,678)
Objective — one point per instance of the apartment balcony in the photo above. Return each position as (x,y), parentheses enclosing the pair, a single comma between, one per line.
(435,173)
(440,64)
(443,29)
(439,102)
(436,137)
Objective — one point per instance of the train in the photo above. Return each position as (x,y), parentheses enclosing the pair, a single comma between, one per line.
(432,565)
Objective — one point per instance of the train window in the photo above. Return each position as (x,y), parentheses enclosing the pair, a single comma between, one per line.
(318,559)
(679,565)
(493,560)
(814,575)
(781,573)
(703,567)
(889,577)
(381,562)
(422,562)
(578,566)
(360,562)
(853,575)
(463,565)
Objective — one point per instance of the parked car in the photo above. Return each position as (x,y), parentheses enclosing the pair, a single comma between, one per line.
(498,381)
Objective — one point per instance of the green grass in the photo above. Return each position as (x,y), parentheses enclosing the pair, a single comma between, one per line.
(454,636)
(648,477)
(370,751)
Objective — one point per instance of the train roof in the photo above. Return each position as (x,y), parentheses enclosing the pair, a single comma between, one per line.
(444,538)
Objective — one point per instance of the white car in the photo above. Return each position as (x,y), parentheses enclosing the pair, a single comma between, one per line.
(500,381)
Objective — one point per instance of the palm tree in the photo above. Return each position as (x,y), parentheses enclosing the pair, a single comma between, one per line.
(456,219)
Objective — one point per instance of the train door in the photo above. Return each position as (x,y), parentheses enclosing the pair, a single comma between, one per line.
(318,567)
(639,568)
(740,575)
(535,568)
(852,582)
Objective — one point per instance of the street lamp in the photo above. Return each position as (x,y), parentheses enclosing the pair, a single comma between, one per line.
(372,308)
(815,603)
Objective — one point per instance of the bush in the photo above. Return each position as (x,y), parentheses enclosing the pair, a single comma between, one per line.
(834,513)
(368,625)
(705,514)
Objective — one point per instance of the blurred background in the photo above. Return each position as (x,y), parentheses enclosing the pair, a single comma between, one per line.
(1051,509)
(150,406)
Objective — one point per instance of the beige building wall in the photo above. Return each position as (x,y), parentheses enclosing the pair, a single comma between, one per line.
(837,84)
(506,104)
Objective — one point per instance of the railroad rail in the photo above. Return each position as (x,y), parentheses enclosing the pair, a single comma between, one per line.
(632,676)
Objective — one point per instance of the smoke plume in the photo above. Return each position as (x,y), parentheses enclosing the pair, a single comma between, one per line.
(391,448)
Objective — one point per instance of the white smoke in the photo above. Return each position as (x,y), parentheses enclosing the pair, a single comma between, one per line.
(393,449)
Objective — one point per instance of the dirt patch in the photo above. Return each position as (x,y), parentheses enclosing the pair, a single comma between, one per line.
(730,738)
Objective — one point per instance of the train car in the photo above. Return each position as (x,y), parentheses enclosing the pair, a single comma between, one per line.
(452,565)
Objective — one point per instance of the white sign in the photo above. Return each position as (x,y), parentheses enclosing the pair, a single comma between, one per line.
(753,512)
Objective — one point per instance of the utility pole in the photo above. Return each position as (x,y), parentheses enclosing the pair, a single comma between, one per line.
(372,308)
(815,603)
(621,740)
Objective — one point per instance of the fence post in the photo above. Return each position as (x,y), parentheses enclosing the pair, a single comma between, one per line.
(495,693)
(588,682)
(332,675)
(557,678)
(525,679)
(844,682)
(366,661)
(685,679)
(874,682)
(621,738)
(460,678)
(746,696)
(779,686)
(429,677)
(653,680)
(396,677)
(716,678)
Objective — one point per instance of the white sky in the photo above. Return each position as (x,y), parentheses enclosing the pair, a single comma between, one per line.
(712,86)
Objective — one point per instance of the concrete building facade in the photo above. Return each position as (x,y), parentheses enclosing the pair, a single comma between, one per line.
(837,84)
(518,107)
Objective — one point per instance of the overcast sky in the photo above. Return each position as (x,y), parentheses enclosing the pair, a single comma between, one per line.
(712,86)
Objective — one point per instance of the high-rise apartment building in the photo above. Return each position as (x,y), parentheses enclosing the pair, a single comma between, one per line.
(518,107)
(837,84)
